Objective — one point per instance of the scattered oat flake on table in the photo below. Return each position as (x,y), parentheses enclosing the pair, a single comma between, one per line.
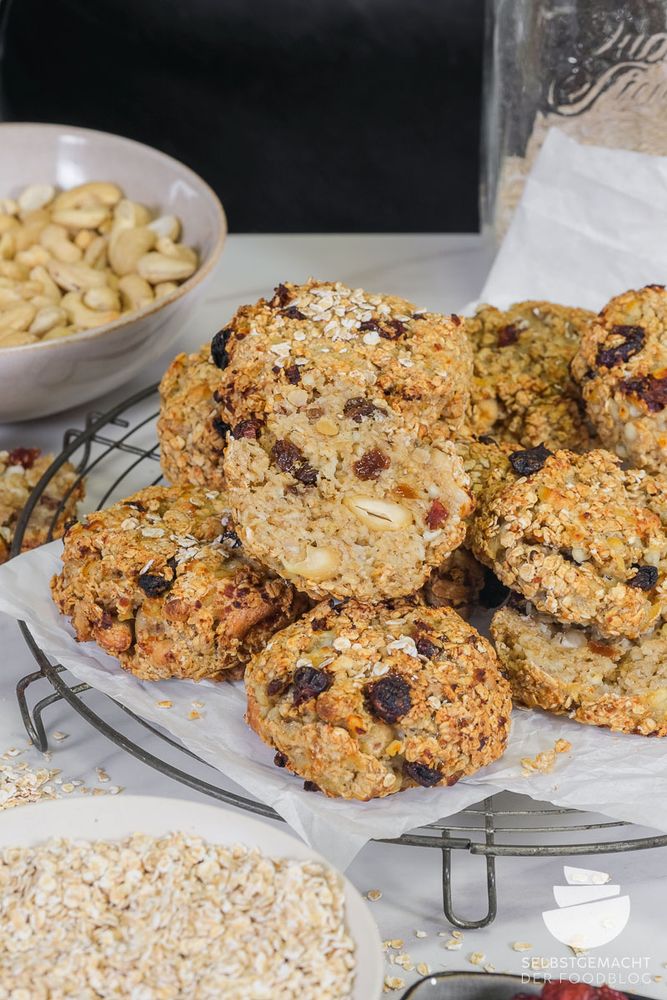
(101,774)
(198,704)
(521,946)
(476,957)
(393,983)
(545,761)
(424,969)
(373,895)
(453,944)
(59,736)
(194,715)
(421,934)
(164,704)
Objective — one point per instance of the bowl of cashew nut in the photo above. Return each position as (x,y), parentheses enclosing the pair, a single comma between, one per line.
(105,245)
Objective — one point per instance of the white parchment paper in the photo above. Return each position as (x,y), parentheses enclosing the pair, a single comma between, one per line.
(591,223)
(624,777)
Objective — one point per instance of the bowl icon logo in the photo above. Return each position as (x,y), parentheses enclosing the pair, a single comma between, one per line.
(591,912)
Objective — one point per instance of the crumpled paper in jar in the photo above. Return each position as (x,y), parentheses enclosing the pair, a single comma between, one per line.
(590,224)
(624,777)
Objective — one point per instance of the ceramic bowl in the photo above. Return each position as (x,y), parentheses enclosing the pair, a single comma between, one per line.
(52,375)
(113,819)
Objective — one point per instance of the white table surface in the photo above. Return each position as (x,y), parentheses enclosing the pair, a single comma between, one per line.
(441,273)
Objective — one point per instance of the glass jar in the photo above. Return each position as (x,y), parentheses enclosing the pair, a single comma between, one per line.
(596,69)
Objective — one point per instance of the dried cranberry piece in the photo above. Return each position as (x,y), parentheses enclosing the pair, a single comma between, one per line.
(369,326)
(277,686)
(508,335)
(486,439)
(437,515)
(371,464)
(389,698)
(648,388)
(422,773)
(220,427)
(281,296)
(318,624)
(280,760)
(293,313)
(357,408)
(634,338)
(530,460)
(456,320)
(557,990)
(23,456)
(310,786)
(292,374)
(249,428)
(219,347)
(392,329)
(291,459)
(231,539)
(154,585)
(645,578)
(426,647)
(309,682)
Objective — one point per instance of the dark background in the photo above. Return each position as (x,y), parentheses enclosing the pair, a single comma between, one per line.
(304,115)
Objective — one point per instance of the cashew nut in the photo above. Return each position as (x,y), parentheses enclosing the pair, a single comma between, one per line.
(75,277)
(48,286)
(80,315)
(102,299)
(30,230)
(129,214)
(7,246)
(9,297)
(166,225)
(59,331)
(89,195)
(8,223)
(128,246)
(320,562)
(95,254)
(166,246)
(381,515)
(156,268)
(135,291)
(164,288)
(18,317)
(55,239)
(14,338)
(8,206)
(81,218)
(10,269)
(46,319)
(34,256)
(35,196)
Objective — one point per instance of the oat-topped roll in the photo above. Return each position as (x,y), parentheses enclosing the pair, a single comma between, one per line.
(343,498)
(622,369)
(581,538)
(366,700)
(567,669)
(20,471)
(278,355)
(522,390)
(161,582)
(191,432)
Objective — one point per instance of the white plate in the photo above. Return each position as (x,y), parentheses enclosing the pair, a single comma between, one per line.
(105,818)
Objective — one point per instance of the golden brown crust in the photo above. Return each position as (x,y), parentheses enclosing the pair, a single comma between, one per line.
(582,539)
(190,429)
(365,700)
(160,582)
(310,338)
(522,390)
(620,684)
(20,471)
(621,366)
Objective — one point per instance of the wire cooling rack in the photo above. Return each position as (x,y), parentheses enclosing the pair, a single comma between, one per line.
(117,452)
